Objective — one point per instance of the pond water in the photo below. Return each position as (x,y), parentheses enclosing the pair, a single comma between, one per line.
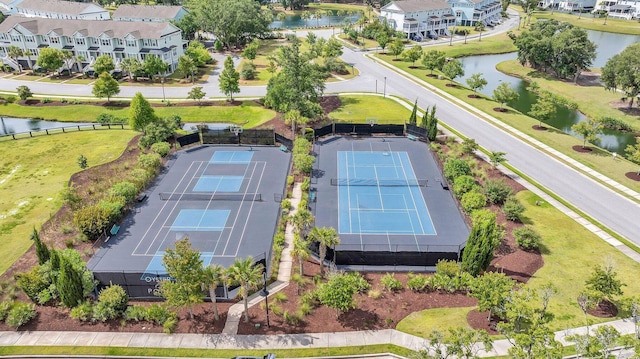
(608,45)
(296,21)
(9,125)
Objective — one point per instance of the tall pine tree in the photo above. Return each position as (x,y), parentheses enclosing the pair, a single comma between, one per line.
(41,249)
(432,125)
(425,119)
(414,114)
(229,79)
(69,284)
(484,238)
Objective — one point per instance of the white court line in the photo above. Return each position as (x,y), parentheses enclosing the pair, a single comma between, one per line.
(413,200)
(244,229)
(144,236)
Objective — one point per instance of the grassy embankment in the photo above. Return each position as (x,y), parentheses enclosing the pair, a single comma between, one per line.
(33,173)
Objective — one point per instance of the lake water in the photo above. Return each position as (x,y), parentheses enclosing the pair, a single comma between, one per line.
(296,21)
(9,125)
(608,45)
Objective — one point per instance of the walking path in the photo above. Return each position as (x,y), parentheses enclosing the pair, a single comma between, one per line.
(266,342)
(236,311)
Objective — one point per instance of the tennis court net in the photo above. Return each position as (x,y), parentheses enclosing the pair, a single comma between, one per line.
(168,196)
(400,182)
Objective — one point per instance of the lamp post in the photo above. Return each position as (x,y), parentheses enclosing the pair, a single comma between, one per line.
(265,293)
(162,81)
(384,91)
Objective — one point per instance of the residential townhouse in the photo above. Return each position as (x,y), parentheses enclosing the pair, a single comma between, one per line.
(153,13)
(620,9)
(91,39)
(576,5)
(58,9)
(431,18)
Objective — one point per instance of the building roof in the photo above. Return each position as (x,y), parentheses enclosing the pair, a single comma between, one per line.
(417,5)
(620,7)
(146,11)
(59,7)
(89,28)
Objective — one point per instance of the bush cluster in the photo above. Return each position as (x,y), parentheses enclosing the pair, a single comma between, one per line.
(455,168)
(107,118)
(390,283)
(464,184)
(497,191)
(527,238)
(161,148)
(513,209)
(472,201)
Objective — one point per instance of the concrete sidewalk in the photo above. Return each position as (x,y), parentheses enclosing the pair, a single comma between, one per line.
(280,341)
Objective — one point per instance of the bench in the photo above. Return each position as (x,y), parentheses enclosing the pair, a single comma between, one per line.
(114,230)
(412,137)
(142,197)
(284,148)
(312,196)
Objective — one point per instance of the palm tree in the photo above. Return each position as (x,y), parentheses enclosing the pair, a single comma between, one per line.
(302,221)
(306,15)
(15,52)
(326,237)
(248,275)
(300,251)
(281,17)
(79,59)
(213,276)
(66,56)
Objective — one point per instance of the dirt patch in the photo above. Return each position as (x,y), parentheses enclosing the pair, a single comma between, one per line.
(123,104)
(581,149)
(539,128)
(451,85)
(432,75)
(473,96)
(500,109)
(480,320)
(633,176)
(605,309)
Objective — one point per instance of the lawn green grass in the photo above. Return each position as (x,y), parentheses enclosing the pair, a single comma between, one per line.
(357,109)
(630,27)
(570,252)
(43,165)
(599,159)
(422,323)
(249,113)
(335,7)
(204,353)
(499,44)
(593,101)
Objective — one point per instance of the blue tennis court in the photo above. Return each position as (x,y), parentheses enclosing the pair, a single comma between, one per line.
(218,184)
(238,157)
(155,266)
(379,193)
(200,220)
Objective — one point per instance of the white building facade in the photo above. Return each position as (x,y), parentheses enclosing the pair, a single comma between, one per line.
(57,9)
(90,39)
(151,13)
(620,9)
(429,18)
(576,5)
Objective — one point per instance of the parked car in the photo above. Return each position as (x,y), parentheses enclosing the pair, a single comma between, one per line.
(117,74)
(64,72)
(268,356)
(90,73)
(39,70)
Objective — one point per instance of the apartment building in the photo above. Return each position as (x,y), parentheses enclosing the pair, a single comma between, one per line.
(58,9)
(152,13)
(620,9)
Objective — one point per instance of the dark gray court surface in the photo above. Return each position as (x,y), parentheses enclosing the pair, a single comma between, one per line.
(179,205)
(374,228)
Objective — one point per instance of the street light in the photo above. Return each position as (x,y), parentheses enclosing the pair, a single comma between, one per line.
(265,293)
(162,81)
(384,91)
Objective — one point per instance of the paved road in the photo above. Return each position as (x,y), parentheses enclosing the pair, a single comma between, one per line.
(606,206)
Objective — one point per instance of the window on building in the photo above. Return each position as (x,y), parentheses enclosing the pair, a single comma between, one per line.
(79,41)
(34,52)
(29,39)
(105,42)
(54,40)
(15,38)
(131,43)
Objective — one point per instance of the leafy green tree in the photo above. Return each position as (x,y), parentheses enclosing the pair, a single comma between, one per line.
(453,69)
(105,86)
(131,65)
(232,22)
(621,72)
(589,130)
(383,39)
(463,342)
(434,60)
(42,251)
(184,266)
(339,291)
(189,26)
(300,251)
(496,158)
(332,48)
(396,47)
(198,53)
(432,124)
(50,59)
(67,56)
(298,84)
(469,146)
(413,54)
(504,94)
(543,109)
(604,280)
(248,275)
(69,284)
(229,79)
(24,92)
(212,277)
(14,52)
(272,67)
(492,290)
(140,113)
(485,236)
(196,94)
(295,118)
(476,82)
(633,153)
(153,65)
(251,51)
(104,63)
(414,113)
(187,67)
(326,237)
